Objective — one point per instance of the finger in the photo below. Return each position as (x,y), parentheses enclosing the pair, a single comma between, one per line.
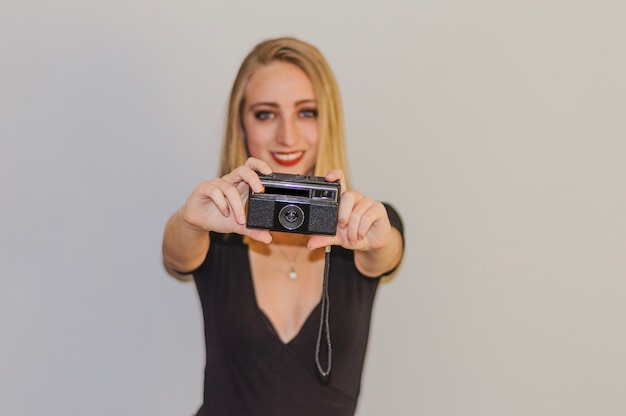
(319,241)
(336,175)
(215,194)
(358,224)
(263,236)
(369,216)
(209,191)
(244,178)
(353,228)
(346,206)
(233,198)
(258,165)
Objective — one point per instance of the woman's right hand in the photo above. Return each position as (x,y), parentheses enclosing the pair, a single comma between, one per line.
(218,204)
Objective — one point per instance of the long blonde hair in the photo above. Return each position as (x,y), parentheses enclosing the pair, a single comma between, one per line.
(331,152)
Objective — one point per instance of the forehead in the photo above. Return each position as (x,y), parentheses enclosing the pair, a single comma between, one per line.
(279,81)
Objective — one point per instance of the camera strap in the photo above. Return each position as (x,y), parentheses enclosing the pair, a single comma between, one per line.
(324,323)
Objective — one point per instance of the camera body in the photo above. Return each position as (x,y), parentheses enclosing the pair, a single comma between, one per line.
(295,203)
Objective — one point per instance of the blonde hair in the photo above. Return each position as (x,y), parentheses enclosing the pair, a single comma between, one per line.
(331,151)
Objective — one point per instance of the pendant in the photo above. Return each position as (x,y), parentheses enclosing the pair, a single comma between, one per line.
(293,274)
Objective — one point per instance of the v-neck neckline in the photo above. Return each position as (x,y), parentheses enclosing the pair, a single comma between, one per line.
(263,316)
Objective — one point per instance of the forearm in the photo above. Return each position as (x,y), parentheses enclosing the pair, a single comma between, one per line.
(374,263)
(184,245)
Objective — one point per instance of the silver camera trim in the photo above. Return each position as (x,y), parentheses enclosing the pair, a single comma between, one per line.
(284,220)
(294,203)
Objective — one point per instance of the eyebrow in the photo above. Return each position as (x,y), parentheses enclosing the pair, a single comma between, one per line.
(275,105)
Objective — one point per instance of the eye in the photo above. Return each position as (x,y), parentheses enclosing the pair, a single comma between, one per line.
(263,115)
(309,113)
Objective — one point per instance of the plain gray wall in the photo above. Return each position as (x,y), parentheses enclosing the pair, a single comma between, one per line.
(497,128)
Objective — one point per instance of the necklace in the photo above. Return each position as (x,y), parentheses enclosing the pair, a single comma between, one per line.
(292,262)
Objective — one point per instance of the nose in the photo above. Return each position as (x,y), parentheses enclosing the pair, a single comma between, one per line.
(288,132)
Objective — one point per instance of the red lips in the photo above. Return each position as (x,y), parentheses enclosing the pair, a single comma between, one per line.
(287,158)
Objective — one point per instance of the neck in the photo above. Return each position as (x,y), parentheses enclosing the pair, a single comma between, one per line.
(289,239)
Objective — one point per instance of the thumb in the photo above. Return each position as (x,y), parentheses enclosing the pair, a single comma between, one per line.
(263,236)
(318,241)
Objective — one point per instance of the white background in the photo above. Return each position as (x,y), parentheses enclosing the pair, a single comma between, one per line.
(497,128)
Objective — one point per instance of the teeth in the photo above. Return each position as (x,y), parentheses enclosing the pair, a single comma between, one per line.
(287,157)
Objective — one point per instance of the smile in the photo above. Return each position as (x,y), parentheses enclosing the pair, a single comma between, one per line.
(287,159)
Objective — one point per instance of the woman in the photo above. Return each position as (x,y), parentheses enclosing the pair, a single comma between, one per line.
(261,291)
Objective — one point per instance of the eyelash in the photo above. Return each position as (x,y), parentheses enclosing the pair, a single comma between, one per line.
(263,115)
(309,113)
(267,115)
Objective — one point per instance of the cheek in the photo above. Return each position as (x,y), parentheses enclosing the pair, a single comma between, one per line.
(257,137)
(311,133)
(253,149)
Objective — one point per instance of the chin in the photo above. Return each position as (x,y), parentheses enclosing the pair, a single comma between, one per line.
(294,170)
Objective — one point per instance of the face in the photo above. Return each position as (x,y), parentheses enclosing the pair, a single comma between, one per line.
(280,118)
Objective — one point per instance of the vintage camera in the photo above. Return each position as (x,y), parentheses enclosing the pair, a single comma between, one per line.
(295,204)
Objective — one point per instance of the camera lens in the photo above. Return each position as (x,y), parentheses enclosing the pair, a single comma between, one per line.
(291,217)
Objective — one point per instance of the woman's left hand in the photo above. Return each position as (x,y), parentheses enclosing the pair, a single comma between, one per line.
(362,224)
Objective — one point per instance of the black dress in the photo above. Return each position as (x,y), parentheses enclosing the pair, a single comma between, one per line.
(249,370)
